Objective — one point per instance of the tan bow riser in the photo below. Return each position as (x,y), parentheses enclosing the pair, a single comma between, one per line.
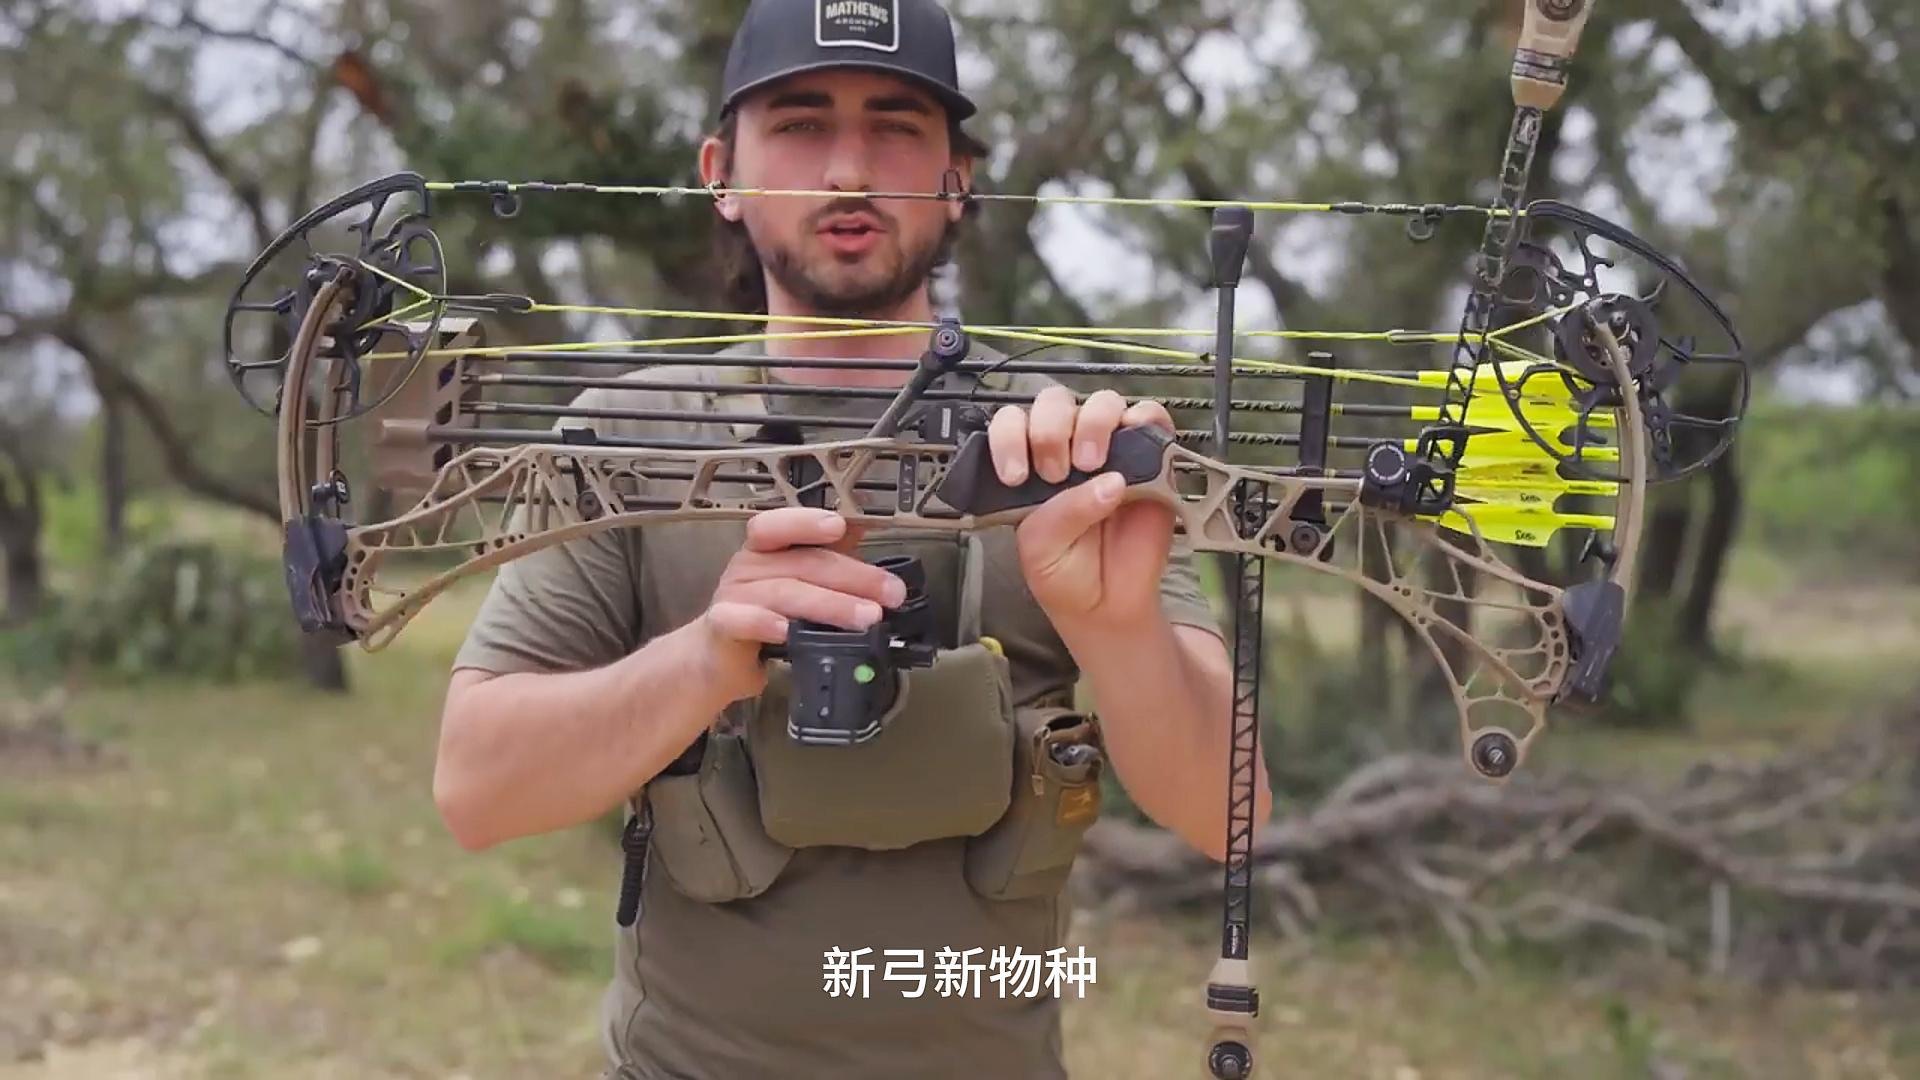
(1500,636)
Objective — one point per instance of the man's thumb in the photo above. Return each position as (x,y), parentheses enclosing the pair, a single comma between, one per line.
(1066,516)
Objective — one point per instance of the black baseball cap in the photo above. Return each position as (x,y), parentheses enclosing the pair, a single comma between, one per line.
(909,38)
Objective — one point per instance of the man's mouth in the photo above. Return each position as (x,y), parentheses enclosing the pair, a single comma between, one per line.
(851,233)
(850,225)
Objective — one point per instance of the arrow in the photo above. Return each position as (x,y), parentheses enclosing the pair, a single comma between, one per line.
(1542,386)
(1495,413)
(1517,448)
(1525,526)
(1529,490)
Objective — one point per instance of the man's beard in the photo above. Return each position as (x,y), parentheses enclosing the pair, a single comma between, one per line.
(830,287)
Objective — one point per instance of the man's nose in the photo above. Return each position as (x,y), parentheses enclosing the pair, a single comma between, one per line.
(848,168)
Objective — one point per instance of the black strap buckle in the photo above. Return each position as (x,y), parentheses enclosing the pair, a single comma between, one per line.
(633,841)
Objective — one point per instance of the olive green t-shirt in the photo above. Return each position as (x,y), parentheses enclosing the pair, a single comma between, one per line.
(736,991)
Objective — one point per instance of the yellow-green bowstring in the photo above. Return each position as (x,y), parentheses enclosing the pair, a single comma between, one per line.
(1094,337)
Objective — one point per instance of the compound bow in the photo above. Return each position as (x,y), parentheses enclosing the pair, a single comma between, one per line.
(1414,526)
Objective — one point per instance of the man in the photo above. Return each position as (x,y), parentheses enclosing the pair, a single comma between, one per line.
(621,668)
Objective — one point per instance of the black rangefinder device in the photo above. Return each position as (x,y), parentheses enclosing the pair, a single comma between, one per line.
(844,681)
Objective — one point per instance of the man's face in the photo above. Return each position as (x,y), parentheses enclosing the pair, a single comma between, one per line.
(843,131)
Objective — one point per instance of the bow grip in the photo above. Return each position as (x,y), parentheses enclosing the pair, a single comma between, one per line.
(972,487)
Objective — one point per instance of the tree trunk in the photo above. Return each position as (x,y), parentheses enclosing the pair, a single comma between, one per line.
(26,577)
(321,661)
(1716,542)
(113,477)
(21,519)
(1664,546)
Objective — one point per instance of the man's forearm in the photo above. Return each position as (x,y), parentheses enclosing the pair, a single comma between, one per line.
(1165,699)
(524,754)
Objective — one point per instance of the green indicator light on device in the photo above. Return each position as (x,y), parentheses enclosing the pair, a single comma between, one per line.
(863,674)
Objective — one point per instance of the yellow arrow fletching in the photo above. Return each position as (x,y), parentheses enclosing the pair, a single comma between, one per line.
(1547,417)
(1550,417)
(1517,447)
(1532,491)
(1523,526)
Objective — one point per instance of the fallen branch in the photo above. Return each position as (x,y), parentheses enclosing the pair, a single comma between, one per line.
(1806,866)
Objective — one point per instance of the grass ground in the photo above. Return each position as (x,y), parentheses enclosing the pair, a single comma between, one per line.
(253,883)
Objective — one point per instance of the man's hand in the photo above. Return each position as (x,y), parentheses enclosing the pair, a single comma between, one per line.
(1084,554)
(797,564)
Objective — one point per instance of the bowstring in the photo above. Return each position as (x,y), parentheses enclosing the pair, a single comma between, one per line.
(1101,338)
(670,192)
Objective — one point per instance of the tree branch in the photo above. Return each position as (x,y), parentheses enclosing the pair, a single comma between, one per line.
(189,20)
(245,188)
(1900,281)
(175,447)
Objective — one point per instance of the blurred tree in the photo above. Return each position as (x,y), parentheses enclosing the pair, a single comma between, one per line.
(1815,225)
(108,251)
(32,437)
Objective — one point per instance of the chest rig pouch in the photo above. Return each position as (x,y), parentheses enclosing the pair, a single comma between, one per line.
(928,757)
(945,755)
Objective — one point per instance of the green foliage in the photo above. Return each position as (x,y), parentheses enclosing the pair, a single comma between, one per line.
(1835,485)
(1634,1038)
(555,940)
(73,534)
(356,871)
(166,608)
(1655,673)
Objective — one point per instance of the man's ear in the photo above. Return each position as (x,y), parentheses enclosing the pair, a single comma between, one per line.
(714,170)
(960,170)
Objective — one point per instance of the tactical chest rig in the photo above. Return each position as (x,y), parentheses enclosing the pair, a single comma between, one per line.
(880,740)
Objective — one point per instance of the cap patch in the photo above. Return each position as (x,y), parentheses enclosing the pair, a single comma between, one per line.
(866,24)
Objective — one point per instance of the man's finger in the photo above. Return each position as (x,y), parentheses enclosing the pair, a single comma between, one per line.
(1050,433)
(1066,517)
(798,599)
(1147,414)
(748,622)
(794,526)
(1093,429)
(1007,440)
(829,569)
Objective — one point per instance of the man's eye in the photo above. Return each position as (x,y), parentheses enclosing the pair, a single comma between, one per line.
(798,125)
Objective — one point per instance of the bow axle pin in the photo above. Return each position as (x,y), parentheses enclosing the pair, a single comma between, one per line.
(1495,754)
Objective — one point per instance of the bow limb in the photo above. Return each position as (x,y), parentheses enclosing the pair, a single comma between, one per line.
(292,416)
(310,500)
